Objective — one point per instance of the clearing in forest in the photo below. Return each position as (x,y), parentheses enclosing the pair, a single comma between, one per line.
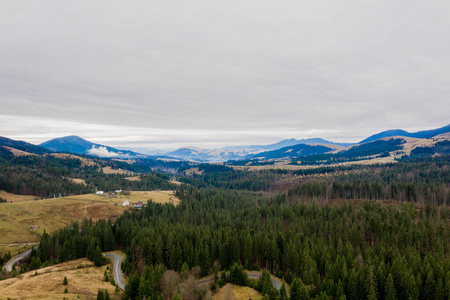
(84,280)
(18,218)
(231,291)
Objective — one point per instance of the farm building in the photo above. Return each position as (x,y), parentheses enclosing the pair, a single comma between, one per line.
(100,193)
(126,203)
(118,191)
(34,227)
(138,204)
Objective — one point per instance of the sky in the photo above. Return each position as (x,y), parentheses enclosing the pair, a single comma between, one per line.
(164,74)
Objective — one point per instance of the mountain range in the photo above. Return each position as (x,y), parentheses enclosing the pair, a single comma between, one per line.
(425,134)
(285,149)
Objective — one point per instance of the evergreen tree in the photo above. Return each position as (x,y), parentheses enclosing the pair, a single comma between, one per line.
(390,292)
(107,297)
(98,257)
(298,290)
(100,295)
(283,292)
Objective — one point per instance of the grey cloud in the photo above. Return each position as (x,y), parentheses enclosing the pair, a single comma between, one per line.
(244,72)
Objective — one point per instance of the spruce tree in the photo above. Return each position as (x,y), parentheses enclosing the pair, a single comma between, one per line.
(100,295)
(390,292)
(283,292)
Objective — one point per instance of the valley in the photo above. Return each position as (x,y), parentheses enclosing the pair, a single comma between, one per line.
(331,222)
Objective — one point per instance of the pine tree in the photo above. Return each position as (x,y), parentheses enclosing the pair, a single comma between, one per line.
(100,295)
(298,290)
(65,281)
(107,297)
(371,285)
(283,292)
(390,293)
(430,287)
(98,257)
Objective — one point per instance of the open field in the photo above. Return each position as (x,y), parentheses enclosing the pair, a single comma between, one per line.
(84,161)
(17,198)
(155,196)
(77,180)
(17,152)
(16,218)
(83,283)
(239,292)
(133,178)
(287,166)
(109,170)
(52,214)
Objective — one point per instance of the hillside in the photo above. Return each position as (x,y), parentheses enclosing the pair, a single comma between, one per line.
(425,134)
(75,144)
(300,150)
(23,146)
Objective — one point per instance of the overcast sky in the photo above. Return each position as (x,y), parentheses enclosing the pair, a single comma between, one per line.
(163,74)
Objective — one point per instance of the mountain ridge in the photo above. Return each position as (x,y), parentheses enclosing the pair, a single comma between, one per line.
(23,146)
(423,134)
(78,145)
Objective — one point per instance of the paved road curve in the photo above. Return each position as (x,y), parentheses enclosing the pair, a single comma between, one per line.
(9,265)
(117,261)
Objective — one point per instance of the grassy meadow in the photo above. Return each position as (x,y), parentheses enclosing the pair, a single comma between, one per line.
(17,217)
(84,280)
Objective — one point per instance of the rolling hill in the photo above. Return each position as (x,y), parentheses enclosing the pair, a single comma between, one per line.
(425,134)
(75,144)
(23,146)
(299,150)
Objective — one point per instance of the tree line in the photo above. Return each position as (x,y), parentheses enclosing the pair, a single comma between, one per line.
(356,251)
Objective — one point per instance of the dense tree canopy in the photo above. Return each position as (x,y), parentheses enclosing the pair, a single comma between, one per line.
(329,235)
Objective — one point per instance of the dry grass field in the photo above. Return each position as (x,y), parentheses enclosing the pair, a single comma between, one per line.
(155,196)
(17,152)
(231,291)
(83,283)
(109,170)
(275,166)
(17,198)
(84,161)
(52,214)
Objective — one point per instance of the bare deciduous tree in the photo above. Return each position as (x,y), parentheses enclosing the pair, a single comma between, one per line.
(188,288)
(169,282)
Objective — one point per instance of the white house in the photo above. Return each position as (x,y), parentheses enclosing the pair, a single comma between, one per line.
(100,193)
(126,203)
(118,191)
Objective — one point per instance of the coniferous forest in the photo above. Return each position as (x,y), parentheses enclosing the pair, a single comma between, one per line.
(351,232)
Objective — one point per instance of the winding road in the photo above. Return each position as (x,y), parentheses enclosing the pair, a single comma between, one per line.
(10,264)
(117,261)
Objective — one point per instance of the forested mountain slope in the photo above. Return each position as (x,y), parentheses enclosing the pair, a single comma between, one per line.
(352,232)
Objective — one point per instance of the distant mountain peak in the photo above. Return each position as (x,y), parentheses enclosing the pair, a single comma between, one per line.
(425,134)
(78,145)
